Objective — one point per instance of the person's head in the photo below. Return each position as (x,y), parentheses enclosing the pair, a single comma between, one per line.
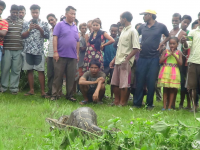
(176,20)
(2,7)
(120,26)
(199,18)
(137,26)
(94,66)
(70,14)
(89,26)
(14,12)
(126,17)
(52,20)
(173,43)
(185,22)
(22,11)
(195,24)
(35,11)
(76,22)
(149,15)
(96,24)
(83,28)
(114,30)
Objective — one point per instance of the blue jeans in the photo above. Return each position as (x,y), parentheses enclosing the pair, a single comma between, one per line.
(146,72)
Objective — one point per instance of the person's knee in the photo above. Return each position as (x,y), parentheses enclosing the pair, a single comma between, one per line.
(84,88)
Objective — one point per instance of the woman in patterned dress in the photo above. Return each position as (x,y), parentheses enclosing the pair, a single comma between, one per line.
(96,44)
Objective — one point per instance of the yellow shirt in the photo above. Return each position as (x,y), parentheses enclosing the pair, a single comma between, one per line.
(128,40)
(194,46)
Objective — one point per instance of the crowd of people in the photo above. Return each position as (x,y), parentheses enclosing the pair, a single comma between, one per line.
(138,60)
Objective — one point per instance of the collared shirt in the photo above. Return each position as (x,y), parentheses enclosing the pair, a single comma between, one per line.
(50,47)
(13,39)
(67,39)
(109,53)
(3,26)
(128,40)
(194,46)
(34,43)
(81,53)
(151,39)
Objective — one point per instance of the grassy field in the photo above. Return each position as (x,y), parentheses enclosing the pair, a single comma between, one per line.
(23,126)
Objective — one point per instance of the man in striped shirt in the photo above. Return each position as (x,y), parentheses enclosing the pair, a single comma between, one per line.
(12,48)
(3,27)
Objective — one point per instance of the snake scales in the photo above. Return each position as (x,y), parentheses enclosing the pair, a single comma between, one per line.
(84,118)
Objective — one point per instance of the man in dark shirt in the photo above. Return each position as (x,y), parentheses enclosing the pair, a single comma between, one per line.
(92,83)
(148,64)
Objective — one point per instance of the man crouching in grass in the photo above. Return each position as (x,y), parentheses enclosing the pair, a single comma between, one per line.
(92,83)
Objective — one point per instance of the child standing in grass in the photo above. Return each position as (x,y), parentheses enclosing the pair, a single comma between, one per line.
(169,75)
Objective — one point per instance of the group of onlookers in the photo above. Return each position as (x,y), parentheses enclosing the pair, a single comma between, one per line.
(138,60)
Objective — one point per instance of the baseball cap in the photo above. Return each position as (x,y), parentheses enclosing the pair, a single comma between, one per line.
(148,12)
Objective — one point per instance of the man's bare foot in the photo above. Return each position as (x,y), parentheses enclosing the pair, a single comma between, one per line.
(29,93)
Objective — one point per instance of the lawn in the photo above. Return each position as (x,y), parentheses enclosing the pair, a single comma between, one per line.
(23,126)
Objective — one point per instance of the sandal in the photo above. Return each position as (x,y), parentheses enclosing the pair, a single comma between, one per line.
(72,99)
(28,94)
(84,102)
(45,96)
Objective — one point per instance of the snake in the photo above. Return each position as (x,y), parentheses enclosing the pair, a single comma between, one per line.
(84,118)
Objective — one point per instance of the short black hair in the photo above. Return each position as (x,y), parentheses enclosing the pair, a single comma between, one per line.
(95,62)
(21,7)
(52,15)
(62,18)
(154,16)
(194,23)
(90,21)
(198,14)
(69,7)
(14,7)
(177,15)
(119,24)
(2,3)
(187,17)
(128,16)
(114,25)
(174,38)
(34,7)
(76,20)
(138,24)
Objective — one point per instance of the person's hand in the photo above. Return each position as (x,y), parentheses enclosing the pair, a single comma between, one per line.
(95,96)
(183,39)
(32,26)
(112,63)
(124,65)
(100,78)
(102,47)
(37,26)
(1,38)
(56,56)
(77,58)
(160,47)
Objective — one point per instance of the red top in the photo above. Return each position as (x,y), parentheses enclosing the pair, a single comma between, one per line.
(3,26)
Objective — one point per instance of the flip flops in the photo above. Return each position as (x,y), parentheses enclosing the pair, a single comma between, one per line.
(28,94)
(84,102)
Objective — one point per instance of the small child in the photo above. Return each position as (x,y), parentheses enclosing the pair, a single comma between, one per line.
(169,75)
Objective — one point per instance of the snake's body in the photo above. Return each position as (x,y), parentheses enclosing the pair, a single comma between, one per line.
(84,118)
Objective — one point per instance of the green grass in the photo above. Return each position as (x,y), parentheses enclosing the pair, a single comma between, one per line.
(23,126)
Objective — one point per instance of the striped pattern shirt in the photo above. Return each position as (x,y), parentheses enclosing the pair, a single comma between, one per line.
(50,48)
(3,26)
(13,39)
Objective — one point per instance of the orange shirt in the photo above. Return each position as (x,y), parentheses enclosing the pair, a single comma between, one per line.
(3,26)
